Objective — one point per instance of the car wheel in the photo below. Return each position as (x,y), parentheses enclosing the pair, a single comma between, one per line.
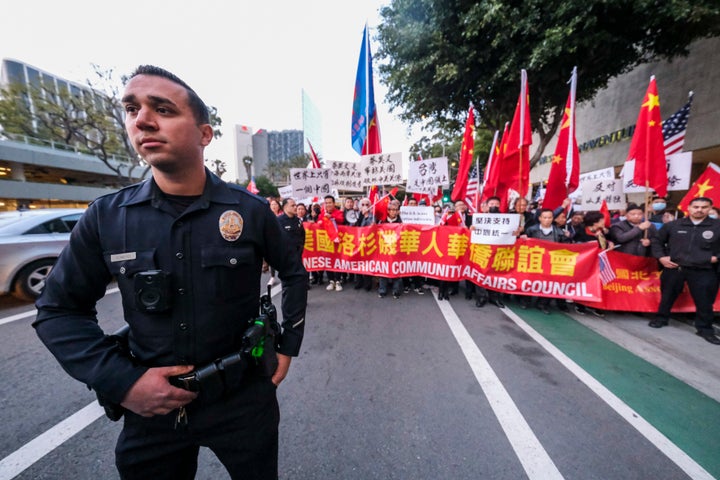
(31,279)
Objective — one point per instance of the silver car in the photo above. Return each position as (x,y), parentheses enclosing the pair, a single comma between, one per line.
(30,242)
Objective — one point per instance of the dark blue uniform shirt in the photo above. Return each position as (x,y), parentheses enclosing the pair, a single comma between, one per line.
(213,253)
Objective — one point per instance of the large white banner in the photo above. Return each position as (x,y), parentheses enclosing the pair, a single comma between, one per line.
(494,228)
(425,176)
(311,182)
(679,168)
(347,176)
(381,169)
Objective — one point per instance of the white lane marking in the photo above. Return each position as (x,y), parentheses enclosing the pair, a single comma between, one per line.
(20,316)
(22,458)
(533,457)
(672,451)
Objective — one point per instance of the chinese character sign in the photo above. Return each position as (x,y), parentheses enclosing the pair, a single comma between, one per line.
(347,176)
(679,167)
(381,169)
(311,182)
(602,174)
(595,191)
(494,228)
(425,176)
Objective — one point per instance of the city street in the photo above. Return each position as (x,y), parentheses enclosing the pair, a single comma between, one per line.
(416,388)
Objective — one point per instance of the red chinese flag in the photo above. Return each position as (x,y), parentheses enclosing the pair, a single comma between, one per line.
(466,158)
(328,224)
(372,195)
(707,185)
(516,158)
(565,168)
(606,213)
(647,147)
(491,185)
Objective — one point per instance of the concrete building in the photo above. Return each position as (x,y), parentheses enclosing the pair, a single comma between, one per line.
(37,172)
(604,124)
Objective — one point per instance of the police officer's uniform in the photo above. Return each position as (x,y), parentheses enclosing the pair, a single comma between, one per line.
(212,253)
(691,247)
(293,227)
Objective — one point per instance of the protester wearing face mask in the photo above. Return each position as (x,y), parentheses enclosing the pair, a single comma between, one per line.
(714,213)
(658,205)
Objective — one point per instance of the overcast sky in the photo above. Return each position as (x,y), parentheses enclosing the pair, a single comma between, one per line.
(249,59)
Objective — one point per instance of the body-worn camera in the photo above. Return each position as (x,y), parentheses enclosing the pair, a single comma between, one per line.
(152,291)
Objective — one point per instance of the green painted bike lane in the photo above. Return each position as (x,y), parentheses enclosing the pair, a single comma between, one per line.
(688,418)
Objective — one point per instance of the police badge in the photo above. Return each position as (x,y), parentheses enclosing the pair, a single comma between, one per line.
(231,225)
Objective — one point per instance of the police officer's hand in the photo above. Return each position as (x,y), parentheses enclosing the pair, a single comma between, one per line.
(282,368)
(152,394)
(667,263)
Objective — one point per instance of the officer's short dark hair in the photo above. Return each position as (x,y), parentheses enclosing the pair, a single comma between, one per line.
(543,210)
(330,197)
(701,199)
(198,107)
(285,202)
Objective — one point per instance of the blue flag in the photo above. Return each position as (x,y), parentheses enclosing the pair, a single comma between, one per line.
(365,134)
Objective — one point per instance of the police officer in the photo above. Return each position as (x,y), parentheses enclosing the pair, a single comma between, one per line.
(197,245)
(293,227)
(688,250)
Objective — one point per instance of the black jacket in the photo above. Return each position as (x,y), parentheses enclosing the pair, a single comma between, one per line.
(213,254)
(627,238)
(687,244)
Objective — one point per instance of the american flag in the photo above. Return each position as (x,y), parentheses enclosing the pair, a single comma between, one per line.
(673,129)
(607,274)
(471,191)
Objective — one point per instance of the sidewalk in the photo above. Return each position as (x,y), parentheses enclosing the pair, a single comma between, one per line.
(675,348)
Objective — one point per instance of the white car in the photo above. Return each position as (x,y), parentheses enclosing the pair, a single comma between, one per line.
(30,242)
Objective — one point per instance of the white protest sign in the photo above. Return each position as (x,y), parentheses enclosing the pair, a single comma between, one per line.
(425,176)
(494,228)
(417,215)
(347,176)
(310,182)
(679,168)
(602,174)
(595,191)
(285,192)
(381,169)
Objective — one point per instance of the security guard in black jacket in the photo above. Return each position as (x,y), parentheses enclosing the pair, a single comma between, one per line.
(293,226)
(186,249)
(688,250)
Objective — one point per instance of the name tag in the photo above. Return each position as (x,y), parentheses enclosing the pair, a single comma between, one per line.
(121,257)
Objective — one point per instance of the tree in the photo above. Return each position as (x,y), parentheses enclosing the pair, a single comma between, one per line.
(439,55)
(266,187)
(279,170)
(89,119)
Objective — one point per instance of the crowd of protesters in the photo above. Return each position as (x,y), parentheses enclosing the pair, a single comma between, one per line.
(632,231)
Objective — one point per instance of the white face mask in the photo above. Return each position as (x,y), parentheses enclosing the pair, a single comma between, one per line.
(659,206)
(712,215)
(622,218)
